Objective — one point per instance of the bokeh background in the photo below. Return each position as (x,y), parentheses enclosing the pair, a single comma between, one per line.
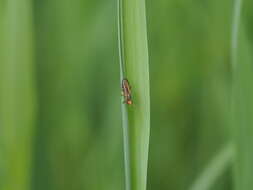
(60,117)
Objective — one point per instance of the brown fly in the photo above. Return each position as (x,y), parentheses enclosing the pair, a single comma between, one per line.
(126,92)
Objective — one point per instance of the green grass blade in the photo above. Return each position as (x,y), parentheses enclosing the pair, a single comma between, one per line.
(242,117)
(214,169)
(134,67)
(242,102)
(235,30)
(17,95)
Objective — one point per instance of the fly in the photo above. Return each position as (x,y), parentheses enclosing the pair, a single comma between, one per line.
(126,92)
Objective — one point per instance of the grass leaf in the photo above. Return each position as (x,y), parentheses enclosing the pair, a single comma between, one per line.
(134,67)
(17,108)
(242,102)
(214,169)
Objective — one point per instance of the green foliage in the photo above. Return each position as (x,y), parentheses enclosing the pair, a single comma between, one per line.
(60,117)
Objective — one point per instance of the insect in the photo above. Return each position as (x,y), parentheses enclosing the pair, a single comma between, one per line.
(126,92)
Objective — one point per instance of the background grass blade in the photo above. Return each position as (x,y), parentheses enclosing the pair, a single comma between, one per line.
(242,102)
(214,169)
(134,67)
(17,100)
(235,29)
(243,121)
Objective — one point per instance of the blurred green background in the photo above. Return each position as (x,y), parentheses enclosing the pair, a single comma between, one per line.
(60,121)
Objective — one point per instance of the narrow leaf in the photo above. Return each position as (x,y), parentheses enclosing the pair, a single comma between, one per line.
(134,67)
